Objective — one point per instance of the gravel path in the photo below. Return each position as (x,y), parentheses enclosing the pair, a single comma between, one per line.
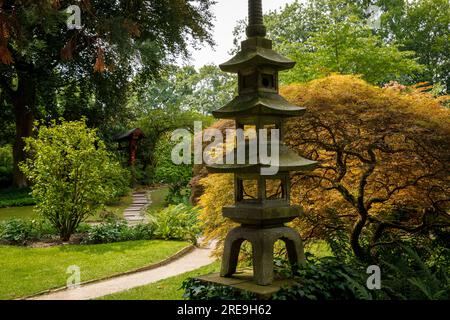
(193,260)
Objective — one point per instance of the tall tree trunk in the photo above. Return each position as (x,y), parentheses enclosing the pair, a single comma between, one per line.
(24,105)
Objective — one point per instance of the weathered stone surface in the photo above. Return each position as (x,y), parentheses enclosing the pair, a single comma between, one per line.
(262,241)
(243,280)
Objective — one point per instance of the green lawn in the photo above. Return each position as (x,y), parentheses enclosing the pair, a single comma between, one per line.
(117,208)
(27,213)
(158,198)
(24,271)
(167,289)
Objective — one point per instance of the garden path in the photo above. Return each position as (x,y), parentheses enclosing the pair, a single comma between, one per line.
(135,213)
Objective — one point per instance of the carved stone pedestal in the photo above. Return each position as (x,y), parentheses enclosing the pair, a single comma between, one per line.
(262,241)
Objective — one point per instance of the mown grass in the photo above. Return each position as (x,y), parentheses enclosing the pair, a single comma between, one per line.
(158,199)
(167,289)
(27,212)
(24,271)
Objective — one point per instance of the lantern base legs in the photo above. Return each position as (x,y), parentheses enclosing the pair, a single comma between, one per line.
(262,241)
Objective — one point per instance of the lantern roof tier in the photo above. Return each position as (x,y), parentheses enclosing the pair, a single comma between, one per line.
(257,52)
(289,161)
(259,104)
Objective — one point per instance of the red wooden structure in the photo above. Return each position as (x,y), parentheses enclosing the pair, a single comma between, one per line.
(132,137)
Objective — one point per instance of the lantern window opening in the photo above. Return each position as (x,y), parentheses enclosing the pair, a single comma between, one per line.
(275,189)
(268,81)
(248,189)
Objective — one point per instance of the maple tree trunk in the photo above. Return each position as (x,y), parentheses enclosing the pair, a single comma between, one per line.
(358,250)
(24,105)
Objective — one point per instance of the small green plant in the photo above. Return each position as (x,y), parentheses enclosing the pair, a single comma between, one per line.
(6,166)
(13,197)
(178,223)
(72,174)
(327,279)
(198,290)
(18,231)
(15,231)
(117,231)
(106,232)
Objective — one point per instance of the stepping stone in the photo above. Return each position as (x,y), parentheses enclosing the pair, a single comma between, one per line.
(136,218)
(135,214)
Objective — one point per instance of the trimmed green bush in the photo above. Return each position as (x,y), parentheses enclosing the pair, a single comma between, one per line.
(72,173)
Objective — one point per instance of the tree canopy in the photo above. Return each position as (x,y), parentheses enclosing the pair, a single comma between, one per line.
(334,36)
(50,71)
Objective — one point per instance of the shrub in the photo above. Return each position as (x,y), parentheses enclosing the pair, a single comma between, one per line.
(142,232)
(117,231)
(42,228)
(72,174)
(177,176)
(178,223)
(106,232)
(13,197)
(178,194)
(328,279)
(415,274)
(6,166)
(18,231)
(198,290)
(405,275)
(15,231)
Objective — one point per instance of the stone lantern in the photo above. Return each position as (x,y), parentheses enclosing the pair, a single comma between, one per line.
(262,202)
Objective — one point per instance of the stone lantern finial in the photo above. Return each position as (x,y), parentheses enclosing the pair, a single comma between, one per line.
(256,26)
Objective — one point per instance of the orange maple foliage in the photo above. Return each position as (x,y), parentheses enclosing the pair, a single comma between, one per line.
(384,164)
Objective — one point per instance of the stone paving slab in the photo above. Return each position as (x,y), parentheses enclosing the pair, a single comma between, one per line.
(135,214)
